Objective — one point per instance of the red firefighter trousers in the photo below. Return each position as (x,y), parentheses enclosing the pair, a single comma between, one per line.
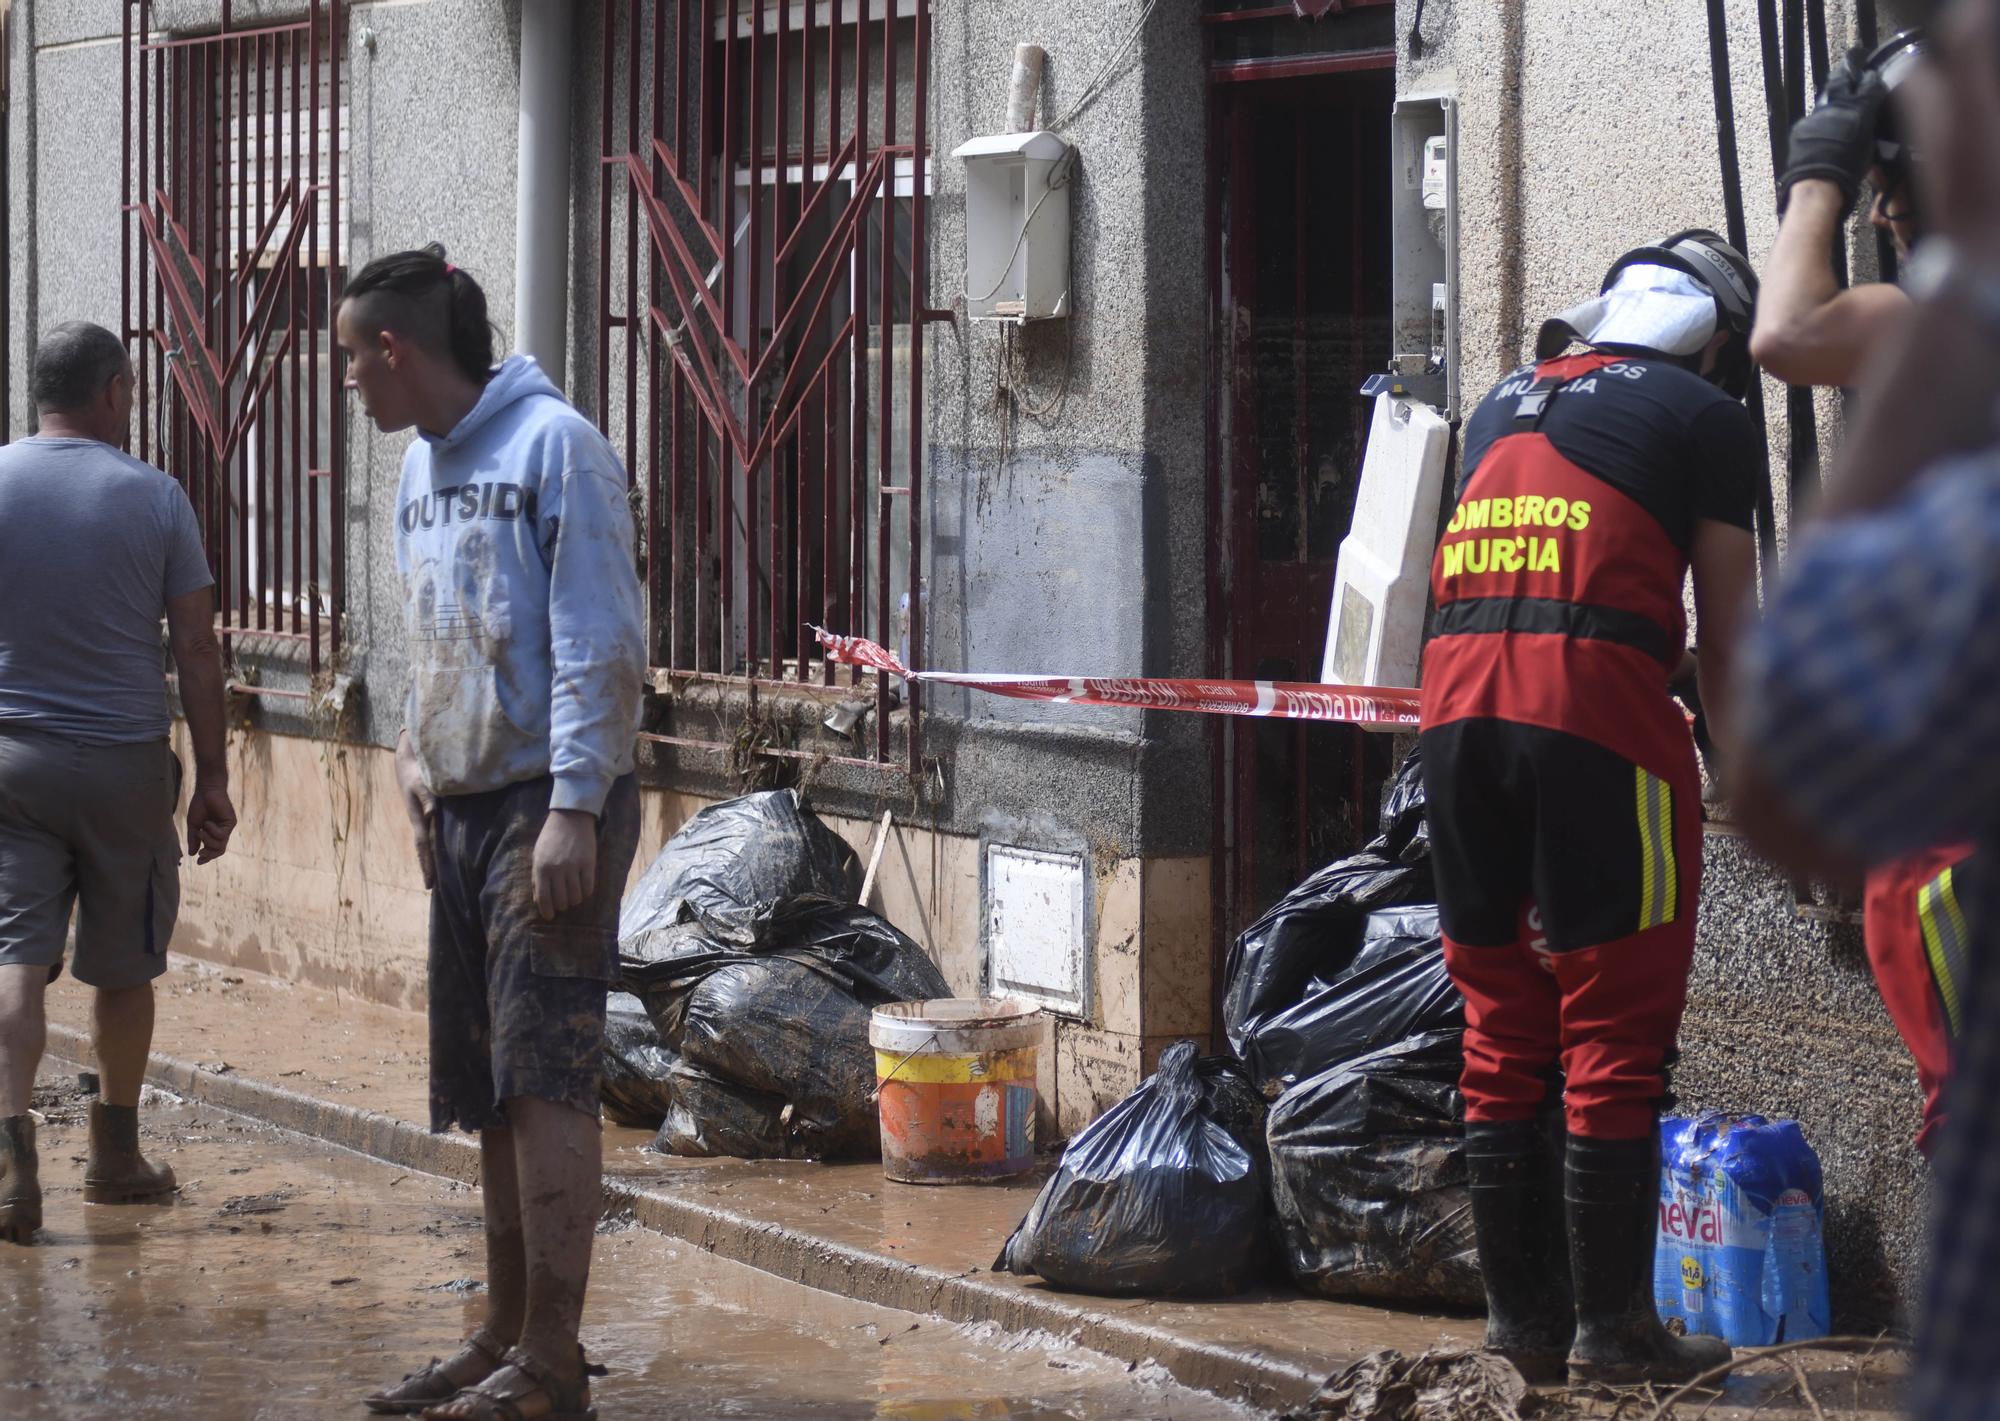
(1567,877)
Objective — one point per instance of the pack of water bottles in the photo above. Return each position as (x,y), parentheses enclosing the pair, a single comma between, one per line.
(1741,1252)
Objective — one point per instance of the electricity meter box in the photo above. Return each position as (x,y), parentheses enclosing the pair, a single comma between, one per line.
(1424,232)
(1381,584)
(1017,226)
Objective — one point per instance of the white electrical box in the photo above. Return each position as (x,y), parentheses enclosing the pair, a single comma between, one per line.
(1035,943)
(1017,226)
(1423,219)
(1375,629)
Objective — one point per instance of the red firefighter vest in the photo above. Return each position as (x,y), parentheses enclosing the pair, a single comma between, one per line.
(1558,596)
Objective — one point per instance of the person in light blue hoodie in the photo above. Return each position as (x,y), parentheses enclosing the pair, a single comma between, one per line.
(514,543)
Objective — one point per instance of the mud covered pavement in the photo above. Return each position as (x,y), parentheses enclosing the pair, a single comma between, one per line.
(291,1277)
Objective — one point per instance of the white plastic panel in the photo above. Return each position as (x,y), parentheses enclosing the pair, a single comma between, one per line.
(1017,226)
(1375,626)
(1035,943)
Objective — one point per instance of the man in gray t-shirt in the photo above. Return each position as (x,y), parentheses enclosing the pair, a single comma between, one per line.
(95,548)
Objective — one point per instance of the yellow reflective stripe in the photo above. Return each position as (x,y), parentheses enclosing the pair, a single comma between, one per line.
(930,1069)
(1669,875)
(1649,884)
(1945,936)
(1659,881)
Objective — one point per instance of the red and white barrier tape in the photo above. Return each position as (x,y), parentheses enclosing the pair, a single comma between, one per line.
(1371,707)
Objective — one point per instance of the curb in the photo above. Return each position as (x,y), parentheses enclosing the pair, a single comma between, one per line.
(798,1257)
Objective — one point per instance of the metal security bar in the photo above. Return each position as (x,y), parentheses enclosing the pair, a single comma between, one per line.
(761,250)
(231,244)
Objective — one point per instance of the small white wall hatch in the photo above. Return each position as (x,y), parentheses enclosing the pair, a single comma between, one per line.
(1381,584)
(1035,943)
(1017,226)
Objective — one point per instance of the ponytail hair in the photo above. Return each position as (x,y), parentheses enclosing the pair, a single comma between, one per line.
(423,297)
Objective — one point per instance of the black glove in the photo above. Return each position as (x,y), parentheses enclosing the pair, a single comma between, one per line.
(1836,141)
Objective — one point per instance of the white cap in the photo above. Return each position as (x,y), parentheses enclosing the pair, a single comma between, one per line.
(1649,307)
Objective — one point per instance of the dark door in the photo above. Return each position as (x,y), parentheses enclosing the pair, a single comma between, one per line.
(1302,312)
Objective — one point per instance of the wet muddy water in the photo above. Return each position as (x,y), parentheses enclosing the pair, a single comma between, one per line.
(291,1277)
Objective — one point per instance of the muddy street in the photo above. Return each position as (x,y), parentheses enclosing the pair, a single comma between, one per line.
(291,1277)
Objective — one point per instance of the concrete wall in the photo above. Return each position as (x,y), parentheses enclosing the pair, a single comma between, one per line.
(321,886)
(1072,539)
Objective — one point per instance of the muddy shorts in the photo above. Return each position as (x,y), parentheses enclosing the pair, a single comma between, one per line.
(516,1002)
(88,828)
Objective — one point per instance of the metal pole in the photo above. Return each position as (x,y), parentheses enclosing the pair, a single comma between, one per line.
(335,375)
(1733,218)
(541,202)
(919,307)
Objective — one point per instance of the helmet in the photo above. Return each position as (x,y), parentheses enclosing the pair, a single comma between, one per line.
(1895,60)
(1726,274)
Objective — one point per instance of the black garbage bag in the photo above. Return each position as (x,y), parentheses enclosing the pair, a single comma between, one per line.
(781,1019)
(733,861)
(1404,834)
(1300,948)
(634,1085)
(1394,986)
(1368,1177)
(778,1028)
(710,1117)
(1162,1195)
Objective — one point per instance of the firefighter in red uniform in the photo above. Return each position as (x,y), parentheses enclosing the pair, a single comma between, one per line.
(1565,805)
(1811,330)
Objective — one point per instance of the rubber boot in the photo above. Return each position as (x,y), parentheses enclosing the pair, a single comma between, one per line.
(116,1172)
(20,1179)
(1515,1173)
(1612,1191)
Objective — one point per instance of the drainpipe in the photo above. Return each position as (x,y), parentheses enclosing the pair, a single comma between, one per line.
(541,216)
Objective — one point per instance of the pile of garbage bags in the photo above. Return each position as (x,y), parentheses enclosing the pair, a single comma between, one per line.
(1337,1003)
(753,970)
(1338,999)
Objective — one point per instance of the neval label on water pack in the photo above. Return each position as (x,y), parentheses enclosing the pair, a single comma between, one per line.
(1740,1254)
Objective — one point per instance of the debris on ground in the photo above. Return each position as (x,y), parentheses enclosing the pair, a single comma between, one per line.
(757,968)
(1443,1384)
(64,1102)
(1163,1195)
(245,1205)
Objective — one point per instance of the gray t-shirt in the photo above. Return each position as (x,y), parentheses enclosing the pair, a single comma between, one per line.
(93,545)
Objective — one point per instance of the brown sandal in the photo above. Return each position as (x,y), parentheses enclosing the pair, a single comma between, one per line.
(521,1378)
(429,1385)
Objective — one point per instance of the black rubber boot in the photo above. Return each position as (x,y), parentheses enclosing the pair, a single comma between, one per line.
(116,1173)
(1612,1190)
(1514,1168)
(20,1179)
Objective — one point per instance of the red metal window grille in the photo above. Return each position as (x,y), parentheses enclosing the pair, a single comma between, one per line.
(232,239)
(762,280)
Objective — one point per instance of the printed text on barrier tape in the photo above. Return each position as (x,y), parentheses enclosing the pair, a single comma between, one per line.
(1372,707)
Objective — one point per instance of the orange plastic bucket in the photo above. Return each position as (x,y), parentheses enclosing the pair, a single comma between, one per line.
(955,1082)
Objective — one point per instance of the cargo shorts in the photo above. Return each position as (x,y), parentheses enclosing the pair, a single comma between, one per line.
(516,1001)
(90,829)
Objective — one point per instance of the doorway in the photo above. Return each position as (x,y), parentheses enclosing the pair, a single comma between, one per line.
(1300,299)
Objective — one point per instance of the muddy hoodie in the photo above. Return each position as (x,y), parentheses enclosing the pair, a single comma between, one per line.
(514,543)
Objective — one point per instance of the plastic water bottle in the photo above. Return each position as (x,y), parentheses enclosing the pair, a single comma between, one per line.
(1741,1253)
